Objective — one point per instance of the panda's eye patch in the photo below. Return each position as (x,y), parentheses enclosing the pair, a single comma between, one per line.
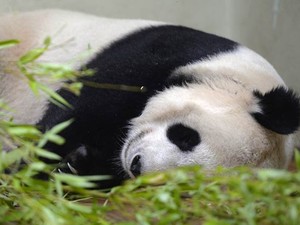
(185,138)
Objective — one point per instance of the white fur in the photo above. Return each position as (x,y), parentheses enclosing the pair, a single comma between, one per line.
(219,110)
(242,65)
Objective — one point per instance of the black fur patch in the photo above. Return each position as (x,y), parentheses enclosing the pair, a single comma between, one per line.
(280,110)
(185,138)
(144,58)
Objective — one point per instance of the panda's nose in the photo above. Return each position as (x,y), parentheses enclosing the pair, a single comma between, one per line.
(185,138)
(135,167)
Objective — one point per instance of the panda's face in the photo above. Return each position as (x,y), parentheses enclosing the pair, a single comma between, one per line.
(198,124)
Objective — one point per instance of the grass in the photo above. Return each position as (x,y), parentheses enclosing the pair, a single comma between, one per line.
(180,196)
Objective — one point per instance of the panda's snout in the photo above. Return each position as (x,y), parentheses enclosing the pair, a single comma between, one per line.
(135,166)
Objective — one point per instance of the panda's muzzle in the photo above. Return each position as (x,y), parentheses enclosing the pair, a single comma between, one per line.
(135,166)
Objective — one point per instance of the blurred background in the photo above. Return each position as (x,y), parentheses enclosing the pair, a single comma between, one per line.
(270,27)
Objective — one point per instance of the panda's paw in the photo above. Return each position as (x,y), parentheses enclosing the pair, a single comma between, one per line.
(71,163)
(67,168)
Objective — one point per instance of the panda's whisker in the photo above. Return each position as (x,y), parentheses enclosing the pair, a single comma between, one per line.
(121,139)
(116,161)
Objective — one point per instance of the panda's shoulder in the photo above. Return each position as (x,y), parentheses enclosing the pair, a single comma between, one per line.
(164,39)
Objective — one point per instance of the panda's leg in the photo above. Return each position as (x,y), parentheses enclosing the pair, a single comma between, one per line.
(88,148)
(97,155)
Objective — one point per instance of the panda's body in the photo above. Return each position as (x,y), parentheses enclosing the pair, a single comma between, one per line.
(202,104)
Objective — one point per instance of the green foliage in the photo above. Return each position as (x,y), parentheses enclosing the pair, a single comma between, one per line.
(181,196)
(228,196)
(8,43)
(35,73)
(24,199)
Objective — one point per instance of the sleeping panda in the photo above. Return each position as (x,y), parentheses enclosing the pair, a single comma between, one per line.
(204,99)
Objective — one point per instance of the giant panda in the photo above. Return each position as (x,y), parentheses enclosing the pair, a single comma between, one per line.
(207,100)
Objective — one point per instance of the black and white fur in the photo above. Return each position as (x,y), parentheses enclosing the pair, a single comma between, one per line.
(209,100)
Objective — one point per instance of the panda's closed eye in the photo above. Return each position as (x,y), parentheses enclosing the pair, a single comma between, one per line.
(185,138)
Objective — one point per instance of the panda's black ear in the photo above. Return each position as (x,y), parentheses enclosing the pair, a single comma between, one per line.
(280,110)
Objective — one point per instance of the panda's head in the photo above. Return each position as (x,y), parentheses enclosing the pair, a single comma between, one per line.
(212,123)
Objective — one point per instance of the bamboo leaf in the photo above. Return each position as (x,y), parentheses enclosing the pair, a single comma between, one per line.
(75,87)
(31,56)
(47,41)
(79,207)
(73,180)
(297,158)
(8,43)
(37,166)
(61,126)
(46,154)
(34,87)
(51,135)
(8,158)
(26,131)
(56,97)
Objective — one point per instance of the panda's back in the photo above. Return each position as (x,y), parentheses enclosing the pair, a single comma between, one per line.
(135,53)
(145,57)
